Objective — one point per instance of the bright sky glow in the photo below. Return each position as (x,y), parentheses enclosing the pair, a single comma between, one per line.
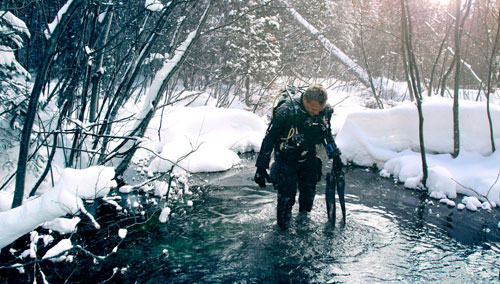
(441,2)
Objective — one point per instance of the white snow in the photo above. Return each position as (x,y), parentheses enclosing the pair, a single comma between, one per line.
(52,26)
(154,5)
(7,54)
(122,233)
(164,215)
(65,198)
(17,24)
(215,136)
(471,203)
(62,225)
(389,139)
(59,248)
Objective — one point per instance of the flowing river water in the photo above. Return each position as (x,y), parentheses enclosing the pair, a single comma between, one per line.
(392,235)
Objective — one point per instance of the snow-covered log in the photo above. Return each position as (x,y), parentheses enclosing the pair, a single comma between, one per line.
(66,197)
(358,71)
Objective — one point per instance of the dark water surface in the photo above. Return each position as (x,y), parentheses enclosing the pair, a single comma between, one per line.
(392,235)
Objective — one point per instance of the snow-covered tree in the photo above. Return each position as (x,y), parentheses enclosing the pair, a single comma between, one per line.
(239,51)
(256,53)
(13,76)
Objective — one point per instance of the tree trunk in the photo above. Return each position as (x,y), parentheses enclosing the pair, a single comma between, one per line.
(490,75)
(434,66)
(414,81)
(460,21)
(368,72)
(96,78)
(41,80)
(456,94)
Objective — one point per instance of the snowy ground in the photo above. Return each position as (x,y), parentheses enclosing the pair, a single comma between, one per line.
(203,138)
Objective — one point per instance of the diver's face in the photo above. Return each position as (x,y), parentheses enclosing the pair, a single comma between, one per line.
(313,107)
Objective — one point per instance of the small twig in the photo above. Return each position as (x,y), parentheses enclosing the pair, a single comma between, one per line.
(36,261)
(148,181)
(338,103)
(481,195)
(94,255)
(176,163)
(73,131)
(491,187)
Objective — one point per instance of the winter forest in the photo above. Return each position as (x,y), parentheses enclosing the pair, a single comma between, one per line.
(71,69)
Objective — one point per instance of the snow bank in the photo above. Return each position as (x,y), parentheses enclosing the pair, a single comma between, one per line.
(389,139)
(212,135)
(65,198)
(375,136)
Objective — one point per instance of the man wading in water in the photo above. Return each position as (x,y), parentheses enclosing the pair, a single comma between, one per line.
(297,126)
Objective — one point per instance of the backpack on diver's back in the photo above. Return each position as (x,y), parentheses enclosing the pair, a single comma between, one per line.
(289,93)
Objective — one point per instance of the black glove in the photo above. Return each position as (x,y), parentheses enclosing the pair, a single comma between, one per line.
(261,176)
(336,161)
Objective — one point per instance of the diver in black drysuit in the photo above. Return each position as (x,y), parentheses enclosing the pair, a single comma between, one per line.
(293,133)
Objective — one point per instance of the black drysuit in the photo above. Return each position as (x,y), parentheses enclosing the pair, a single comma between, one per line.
(293,135)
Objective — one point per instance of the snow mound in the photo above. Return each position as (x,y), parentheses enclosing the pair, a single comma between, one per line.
(204,139)
(441,181)
(389,139)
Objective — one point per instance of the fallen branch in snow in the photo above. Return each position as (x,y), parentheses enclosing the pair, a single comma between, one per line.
(61,253)
(485,197)
(36,261)
(491,187)
(97,257)
(341,101)
(65,197)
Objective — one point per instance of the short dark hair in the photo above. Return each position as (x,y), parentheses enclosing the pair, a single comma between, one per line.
(317,93)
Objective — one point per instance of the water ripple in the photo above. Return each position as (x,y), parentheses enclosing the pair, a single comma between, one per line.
(231,236)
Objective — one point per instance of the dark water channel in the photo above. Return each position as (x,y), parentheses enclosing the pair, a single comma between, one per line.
(392,235)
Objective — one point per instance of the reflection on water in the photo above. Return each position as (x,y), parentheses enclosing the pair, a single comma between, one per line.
(392,235)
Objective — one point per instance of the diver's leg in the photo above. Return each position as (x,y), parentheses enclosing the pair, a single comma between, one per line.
(307,179)
(287,188)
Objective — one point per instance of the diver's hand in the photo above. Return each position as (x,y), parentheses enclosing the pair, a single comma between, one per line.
(261,176)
